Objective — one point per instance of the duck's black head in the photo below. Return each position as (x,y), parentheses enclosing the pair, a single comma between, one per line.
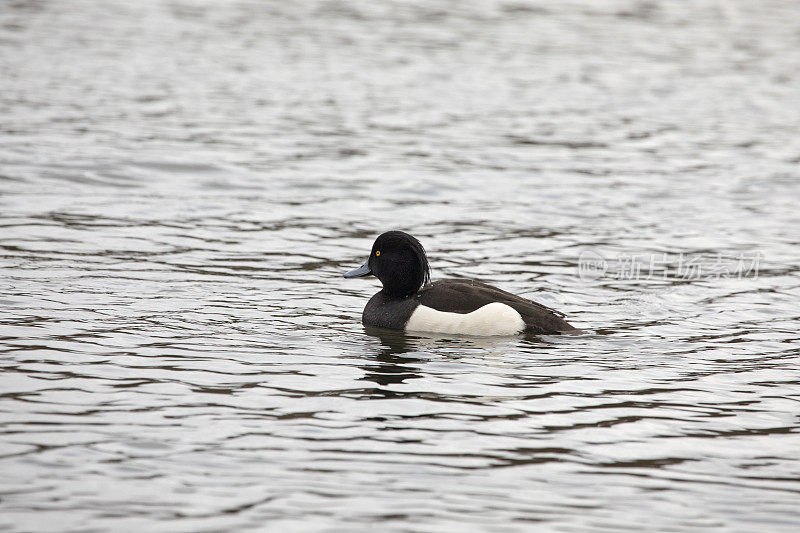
(399,261)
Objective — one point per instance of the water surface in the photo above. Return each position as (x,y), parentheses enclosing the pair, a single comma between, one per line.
(183,183)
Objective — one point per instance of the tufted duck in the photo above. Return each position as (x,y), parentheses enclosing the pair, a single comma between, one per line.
(409,302)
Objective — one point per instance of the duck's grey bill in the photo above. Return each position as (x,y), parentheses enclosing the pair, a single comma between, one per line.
(359,272)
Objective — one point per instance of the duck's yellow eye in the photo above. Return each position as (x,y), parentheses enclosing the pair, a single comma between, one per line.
(378,253)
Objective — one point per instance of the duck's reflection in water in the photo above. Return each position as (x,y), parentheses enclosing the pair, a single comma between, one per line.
(394,362)
(401,356)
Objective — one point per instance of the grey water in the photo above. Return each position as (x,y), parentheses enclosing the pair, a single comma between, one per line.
(182,184)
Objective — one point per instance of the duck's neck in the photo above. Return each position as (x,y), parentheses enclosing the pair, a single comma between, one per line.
(403,282)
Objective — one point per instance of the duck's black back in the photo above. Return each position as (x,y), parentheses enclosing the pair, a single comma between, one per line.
(465,296)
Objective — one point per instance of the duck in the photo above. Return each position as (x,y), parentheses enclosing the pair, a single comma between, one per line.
(409,301)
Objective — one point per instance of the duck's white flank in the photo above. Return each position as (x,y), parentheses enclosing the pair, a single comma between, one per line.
(492,319)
